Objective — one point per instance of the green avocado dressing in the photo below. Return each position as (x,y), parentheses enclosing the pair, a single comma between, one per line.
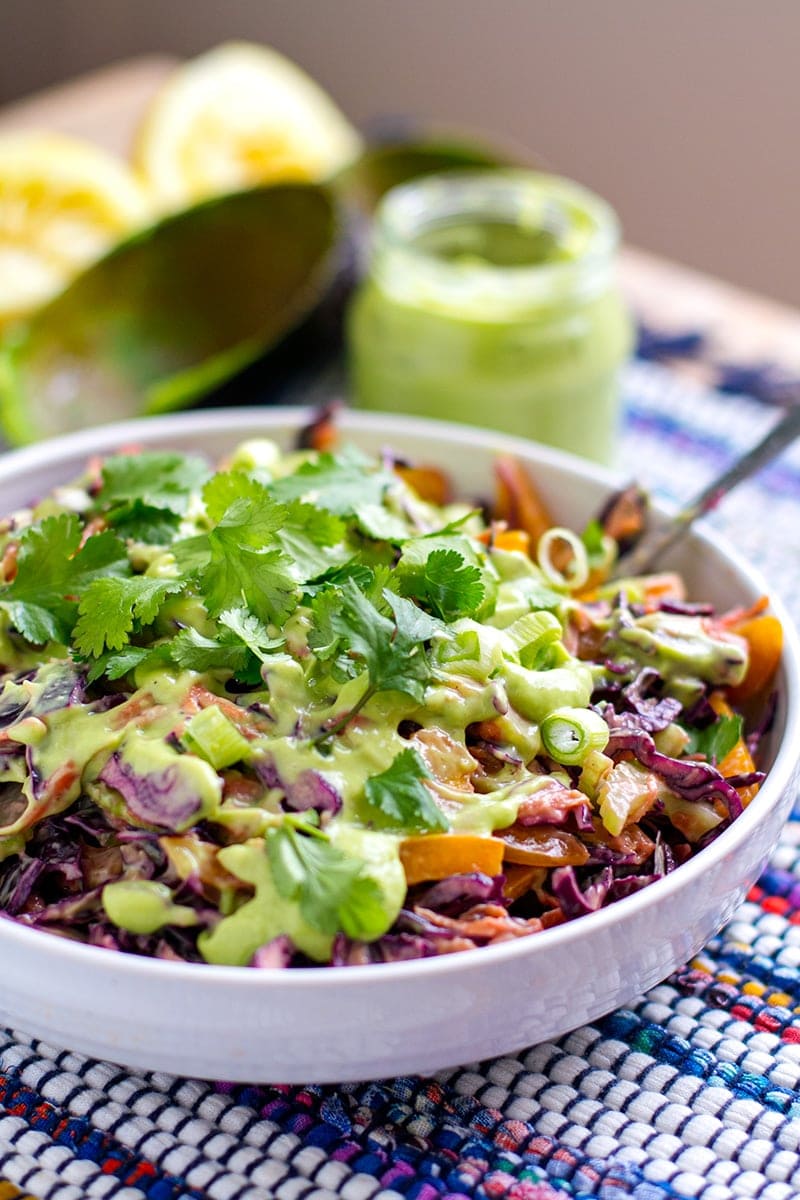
(293,717)
(491,300)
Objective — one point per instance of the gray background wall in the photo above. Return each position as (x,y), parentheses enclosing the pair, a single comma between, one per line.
(684,113)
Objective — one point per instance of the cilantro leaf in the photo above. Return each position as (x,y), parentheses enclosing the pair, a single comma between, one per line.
(359,572)
(52,570)
(116,663)
(241,647)
(399,799)
(414,625)
(345,485)
(349,631)
(323,638)
(593,537)
(376,521)
(236,500)
(331,889)
(446,584)
(247,628)
(263,579)
(163,481)
(144,523)
(312,538)
(110,607)
(232,561)
(715,741)
(446,574)
(194,651)
(391,651)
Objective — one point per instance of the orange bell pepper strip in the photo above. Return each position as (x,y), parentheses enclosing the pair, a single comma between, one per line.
(764,637)
(441,854)
(506,539)
(738,760)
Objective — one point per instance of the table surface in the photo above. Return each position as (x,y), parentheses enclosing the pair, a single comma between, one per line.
(105,107)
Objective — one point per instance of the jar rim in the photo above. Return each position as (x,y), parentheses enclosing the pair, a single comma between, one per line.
(517,196)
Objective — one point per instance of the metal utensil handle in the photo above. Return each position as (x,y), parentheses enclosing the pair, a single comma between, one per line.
(643,557)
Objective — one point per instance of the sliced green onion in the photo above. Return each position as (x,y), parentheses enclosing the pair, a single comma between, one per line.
(215,738)
(569,734)
(537,694)
(577,570)
(464,647)
(594,769)
(534,630)
(672,740)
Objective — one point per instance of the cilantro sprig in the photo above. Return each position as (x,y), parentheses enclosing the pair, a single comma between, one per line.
(446,584)
(445,574)
(328,536)
(351,632)
(153,480)
(331,889)
(398,799)
(144,496)
(346,485)
(238,561)
(110,609)
(53,570)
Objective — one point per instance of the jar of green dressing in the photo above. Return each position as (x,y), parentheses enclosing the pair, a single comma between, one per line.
(491,299)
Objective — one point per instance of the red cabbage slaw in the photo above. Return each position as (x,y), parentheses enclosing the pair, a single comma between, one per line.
(291,713)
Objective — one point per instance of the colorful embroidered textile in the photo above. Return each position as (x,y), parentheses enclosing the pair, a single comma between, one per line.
(694,1091)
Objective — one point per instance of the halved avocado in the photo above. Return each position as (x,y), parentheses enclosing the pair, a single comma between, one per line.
(171,312)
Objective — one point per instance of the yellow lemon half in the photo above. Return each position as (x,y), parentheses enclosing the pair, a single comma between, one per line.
(62,204)
(235,117)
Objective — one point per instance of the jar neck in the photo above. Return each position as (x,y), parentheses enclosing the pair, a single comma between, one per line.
(497,245)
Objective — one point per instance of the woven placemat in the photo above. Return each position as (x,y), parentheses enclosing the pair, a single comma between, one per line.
(694,1091)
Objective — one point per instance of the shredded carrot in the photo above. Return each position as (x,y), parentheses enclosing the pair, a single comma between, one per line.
(666,585)
(61,781)
(441,854)
(8,563)
(518,501)
(199,697)
(735,616)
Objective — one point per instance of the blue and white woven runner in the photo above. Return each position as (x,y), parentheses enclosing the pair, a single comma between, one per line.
(692,1092)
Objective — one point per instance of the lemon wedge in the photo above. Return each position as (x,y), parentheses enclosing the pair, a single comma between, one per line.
(62,203)
(239,116)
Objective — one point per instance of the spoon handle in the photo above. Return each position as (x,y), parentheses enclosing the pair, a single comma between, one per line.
(644,555)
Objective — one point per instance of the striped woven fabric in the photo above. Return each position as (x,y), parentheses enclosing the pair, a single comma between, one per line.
(692,1092)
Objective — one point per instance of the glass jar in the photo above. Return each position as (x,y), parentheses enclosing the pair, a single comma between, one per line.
(491,299)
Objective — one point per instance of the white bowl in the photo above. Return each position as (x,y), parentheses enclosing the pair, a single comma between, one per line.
(307,1025)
